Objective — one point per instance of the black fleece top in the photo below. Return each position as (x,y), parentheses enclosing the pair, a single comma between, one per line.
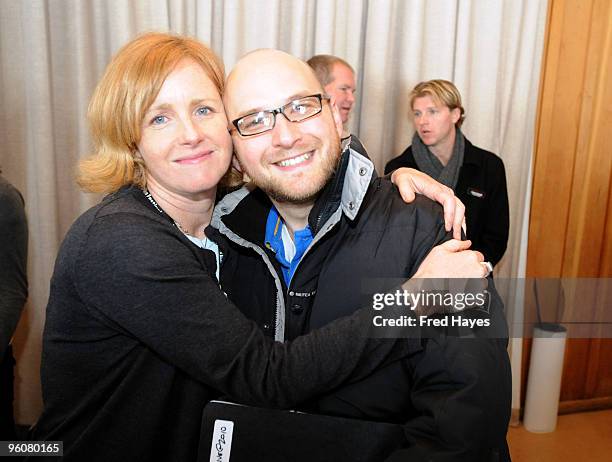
(138,337)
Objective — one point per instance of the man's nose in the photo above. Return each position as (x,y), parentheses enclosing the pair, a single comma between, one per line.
(350,97)
(285,133)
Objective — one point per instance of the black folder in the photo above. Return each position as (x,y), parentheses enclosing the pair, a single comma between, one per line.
(238,433)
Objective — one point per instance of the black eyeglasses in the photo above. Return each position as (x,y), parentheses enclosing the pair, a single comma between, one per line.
(294,111)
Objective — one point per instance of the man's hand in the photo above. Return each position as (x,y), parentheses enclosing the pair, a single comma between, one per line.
(453,260)
(410,181)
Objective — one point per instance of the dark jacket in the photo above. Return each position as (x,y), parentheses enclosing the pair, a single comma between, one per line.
(138,338)
(482,189)
(453,395)
(13,261)
(13,293)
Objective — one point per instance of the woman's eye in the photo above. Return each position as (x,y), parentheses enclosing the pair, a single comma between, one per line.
(158,120)
(203,111)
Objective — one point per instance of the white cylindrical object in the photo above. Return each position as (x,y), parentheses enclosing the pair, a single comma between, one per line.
(544,381)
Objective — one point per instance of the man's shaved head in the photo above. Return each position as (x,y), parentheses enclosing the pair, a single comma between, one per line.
(292,161)
(258,70)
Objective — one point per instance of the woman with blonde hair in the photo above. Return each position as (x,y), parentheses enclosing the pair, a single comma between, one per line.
(138,335)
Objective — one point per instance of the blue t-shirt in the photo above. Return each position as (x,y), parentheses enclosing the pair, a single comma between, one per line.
(288,251)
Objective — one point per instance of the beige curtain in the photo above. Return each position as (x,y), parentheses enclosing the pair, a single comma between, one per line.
(52,53)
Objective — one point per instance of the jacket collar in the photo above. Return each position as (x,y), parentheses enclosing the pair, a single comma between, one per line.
(345,190)
(359,174)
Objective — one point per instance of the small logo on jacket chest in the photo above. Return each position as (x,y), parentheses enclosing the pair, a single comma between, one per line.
(476,193)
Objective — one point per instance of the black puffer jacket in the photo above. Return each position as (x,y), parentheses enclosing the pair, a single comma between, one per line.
(453,395)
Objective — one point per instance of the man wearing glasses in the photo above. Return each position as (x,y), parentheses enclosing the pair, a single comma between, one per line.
(318,225)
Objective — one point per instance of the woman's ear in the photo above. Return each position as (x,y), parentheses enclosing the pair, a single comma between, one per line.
(136,153)
(235,163)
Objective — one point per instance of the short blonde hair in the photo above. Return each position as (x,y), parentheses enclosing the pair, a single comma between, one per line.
(442,91)
(127,89)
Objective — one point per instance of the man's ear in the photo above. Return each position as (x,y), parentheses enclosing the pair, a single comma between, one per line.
(336,114)
(455,115)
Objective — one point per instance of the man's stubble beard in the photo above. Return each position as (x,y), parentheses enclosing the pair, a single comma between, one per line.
(278,193)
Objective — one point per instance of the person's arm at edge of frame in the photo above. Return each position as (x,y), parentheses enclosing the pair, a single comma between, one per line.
(13,264)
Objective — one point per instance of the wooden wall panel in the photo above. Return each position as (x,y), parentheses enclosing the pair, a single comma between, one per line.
(570,232)
(557,134)
(593,153)
(605,268)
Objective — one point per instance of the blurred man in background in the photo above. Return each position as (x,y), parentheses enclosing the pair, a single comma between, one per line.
(477,176)
(338,80)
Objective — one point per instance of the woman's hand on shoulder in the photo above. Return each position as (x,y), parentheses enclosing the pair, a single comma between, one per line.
(410,182)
